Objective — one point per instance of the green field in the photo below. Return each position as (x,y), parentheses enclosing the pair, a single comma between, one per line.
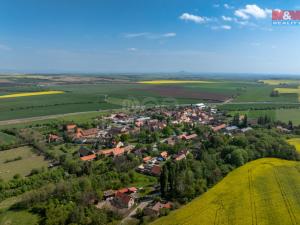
(100,96)
(265,191)
(23,166)
(89,97)
(7,139)
(284,115)
(18,218)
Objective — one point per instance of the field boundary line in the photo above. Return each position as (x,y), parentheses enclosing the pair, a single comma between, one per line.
(252,199)
(285,198)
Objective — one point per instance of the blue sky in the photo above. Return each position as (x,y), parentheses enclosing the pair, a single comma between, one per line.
(147,36)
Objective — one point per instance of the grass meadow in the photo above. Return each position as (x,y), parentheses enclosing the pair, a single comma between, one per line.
(265,191)
(23,166)
(7,139)
(18,218)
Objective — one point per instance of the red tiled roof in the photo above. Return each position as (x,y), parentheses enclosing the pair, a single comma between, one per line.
(123,190)
(160,205)
(116,151)
(88,157)
(191,136)
(123,197)
(132,189)
(220,127)
(164,154)
(71,126)
(146,159)
(156,170)
(92,131)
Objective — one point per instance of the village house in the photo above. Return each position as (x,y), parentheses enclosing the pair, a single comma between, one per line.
(244,130)
(116,151)
(187,137)
(89,133)
(70,128)
(156,170)
(88,157)
(181,155)
(154,210)
(123,200)
(84,151)
(109,194)
(164,155)
(219,127)
(231,129)
(147,159)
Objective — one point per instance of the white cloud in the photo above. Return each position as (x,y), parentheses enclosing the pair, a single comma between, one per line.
(226,18)
(226,6)
(149,35)
(5,47)
(134,35)
(222,27)
(132,49)
(226,27)
(169,34)
(216,5)
(193,18)
(254,11)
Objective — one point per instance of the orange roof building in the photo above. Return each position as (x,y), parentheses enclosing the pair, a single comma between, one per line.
(88,157)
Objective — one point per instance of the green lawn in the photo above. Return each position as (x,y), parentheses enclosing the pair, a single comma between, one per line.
(6,139)
(24,166)
(62,149)
(18,218)
(284,115)
(261,93)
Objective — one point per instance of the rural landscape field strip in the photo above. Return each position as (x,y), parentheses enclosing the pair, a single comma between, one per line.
(28,94)
(264,191)
(279,81)
(176,82)
(19,161)
(295,142)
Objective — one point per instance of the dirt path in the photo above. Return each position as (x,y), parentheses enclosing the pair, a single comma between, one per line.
(141,206)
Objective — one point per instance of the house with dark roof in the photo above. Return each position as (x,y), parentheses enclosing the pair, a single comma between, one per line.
(123,200)
(154,210)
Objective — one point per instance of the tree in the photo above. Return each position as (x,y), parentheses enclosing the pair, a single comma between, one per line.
(236,120)
(164,181)
(167,131)
(274,93)
(245,121)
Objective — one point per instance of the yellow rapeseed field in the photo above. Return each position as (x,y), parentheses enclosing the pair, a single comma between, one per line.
(265,191)
(289,91)
(175,82)
(295,142)
(278,82)
(27,94)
